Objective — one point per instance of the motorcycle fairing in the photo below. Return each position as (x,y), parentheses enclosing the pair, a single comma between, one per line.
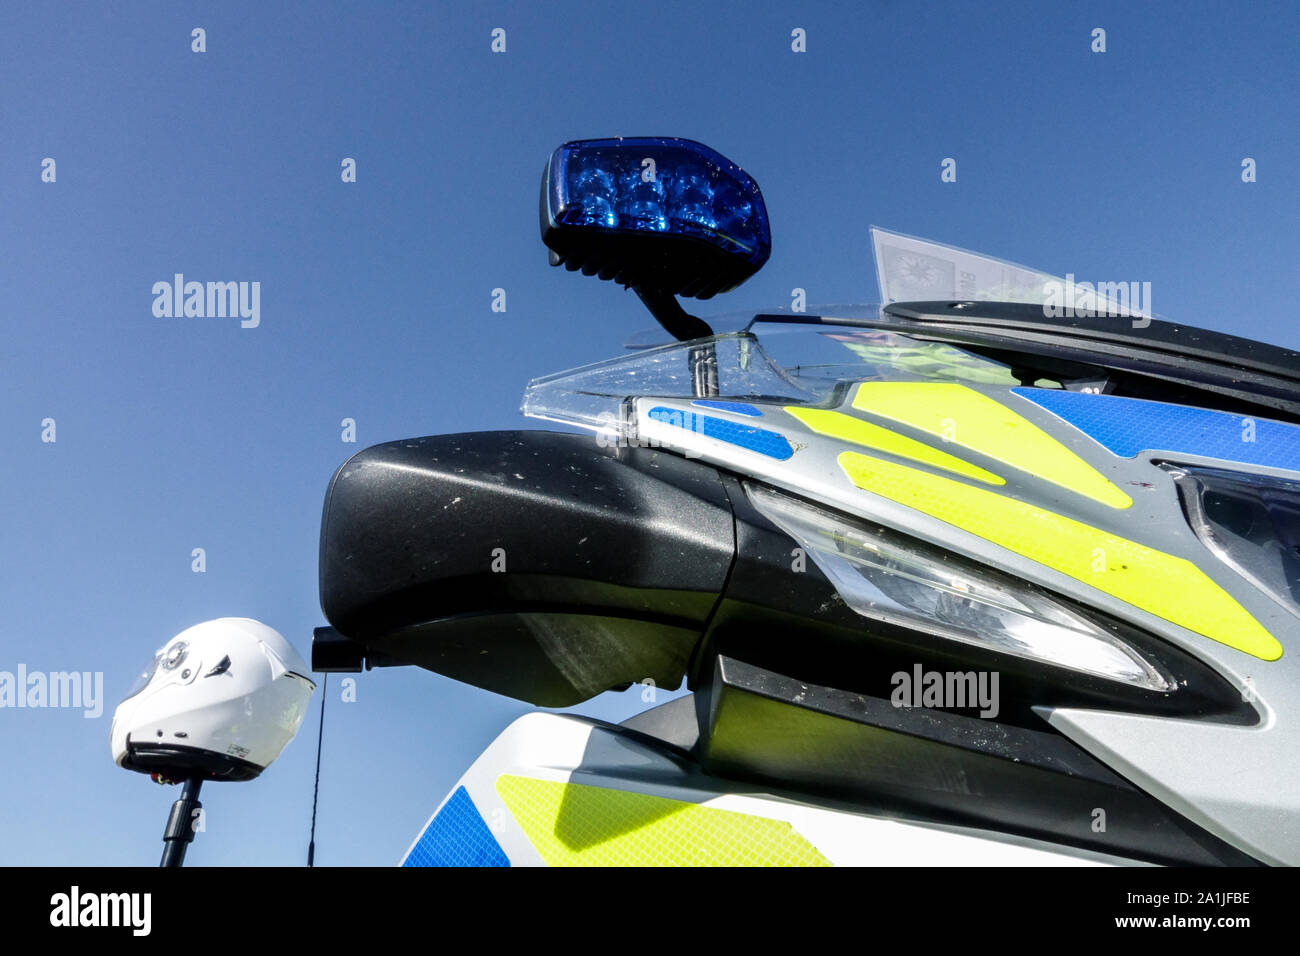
(560,790)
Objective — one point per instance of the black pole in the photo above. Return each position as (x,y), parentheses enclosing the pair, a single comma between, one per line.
(180,825)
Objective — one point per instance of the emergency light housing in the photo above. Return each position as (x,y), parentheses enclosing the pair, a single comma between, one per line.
(661,215)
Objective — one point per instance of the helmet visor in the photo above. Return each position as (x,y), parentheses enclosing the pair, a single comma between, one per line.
(144,677)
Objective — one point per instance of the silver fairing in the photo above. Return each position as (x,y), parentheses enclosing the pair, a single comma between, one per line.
(1241,783)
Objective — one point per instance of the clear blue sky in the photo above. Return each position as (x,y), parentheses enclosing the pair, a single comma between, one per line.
(375,296)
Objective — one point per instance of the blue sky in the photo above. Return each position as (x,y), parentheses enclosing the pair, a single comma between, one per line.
(177,433)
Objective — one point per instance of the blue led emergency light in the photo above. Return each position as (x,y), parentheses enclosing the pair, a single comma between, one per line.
(664,216)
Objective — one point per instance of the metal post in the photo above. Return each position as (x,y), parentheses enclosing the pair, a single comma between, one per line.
(180,825)
(704,371)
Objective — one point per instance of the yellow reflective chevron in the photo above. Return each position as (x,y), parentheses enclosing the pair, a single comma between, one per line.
(963,416)
(1165,585)
(846,427)
(573,824)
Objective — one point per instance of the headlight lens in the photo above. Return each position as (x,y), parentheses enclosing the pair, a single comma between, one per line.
(1250,522)
(889,577)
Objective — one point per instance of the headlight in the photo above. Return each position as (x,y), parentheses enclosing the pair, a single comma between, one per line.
(1250,522)
(889,577)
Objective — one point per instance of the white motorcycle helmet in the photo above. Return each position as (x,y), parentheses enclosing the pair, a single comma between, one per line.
(219,701)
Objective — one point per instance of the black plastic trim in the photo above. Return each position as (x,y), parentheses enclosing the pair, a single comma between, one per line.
(178,761)
(763,727)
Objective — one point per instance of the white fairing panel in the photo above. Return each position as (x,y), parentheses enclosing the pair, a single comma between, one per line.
(563,790)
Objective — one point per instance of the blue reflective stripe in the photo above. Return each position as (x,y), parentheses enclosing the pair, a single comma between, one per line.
(740,408)
(760,440)
(1129,426)
(457,836)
